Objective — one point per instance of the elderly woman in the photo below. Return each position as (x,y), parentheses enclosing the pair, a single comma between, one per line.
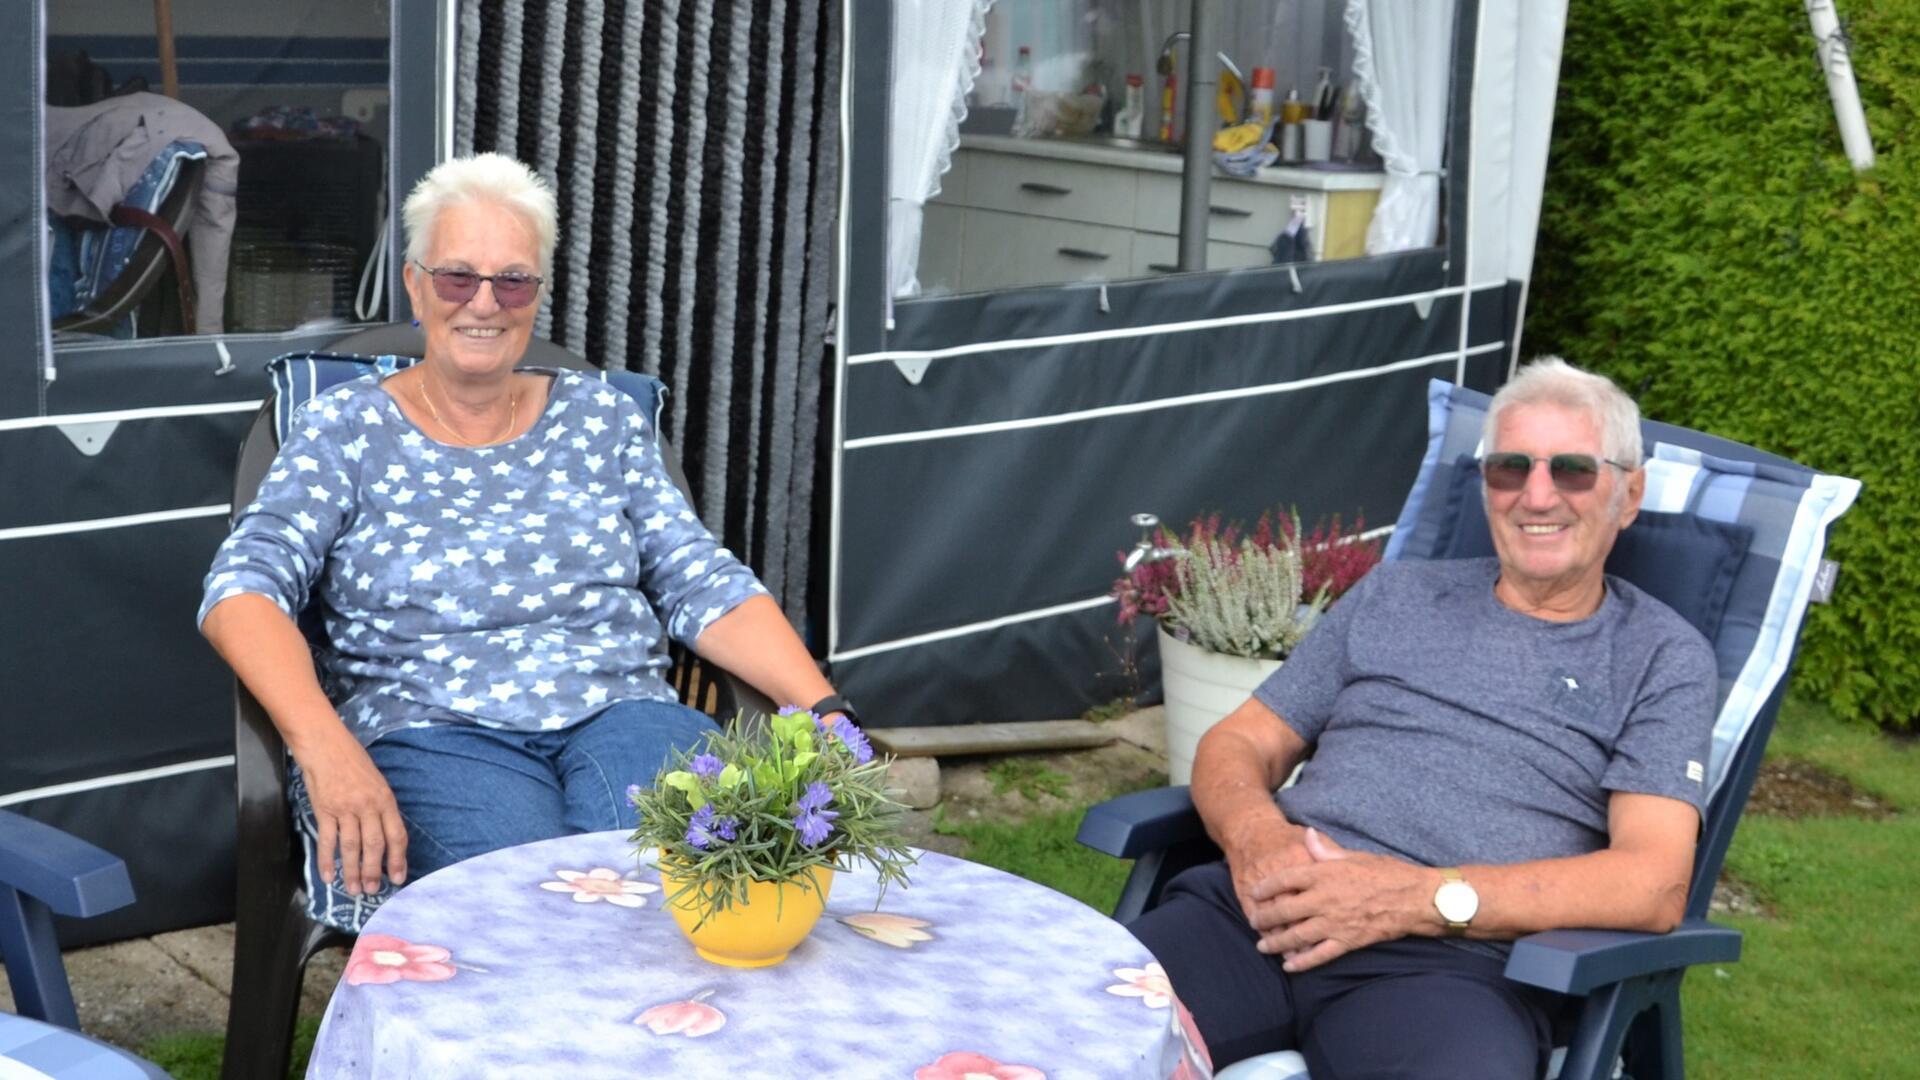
(498,553)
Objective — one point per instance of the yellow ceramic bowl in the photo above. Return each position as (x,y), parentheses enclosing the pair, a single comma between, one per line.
(759,933)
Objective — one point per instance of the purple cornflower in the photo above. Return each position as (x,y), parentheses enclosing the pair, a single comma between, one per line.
(706,766)
(814,821)
(849,735)
(790,710)
(633,792)
(701,829)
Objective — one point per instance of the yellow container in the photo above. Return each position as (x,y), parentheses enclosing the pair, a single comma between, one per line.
(777,916)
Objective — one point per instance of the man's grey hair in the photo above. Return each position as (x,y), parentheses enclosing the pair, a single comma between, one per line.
(1550,380)
(494,178)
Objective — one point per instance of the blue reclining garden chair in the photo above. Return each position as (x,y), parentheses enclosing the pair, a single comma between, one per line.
(282,915)
(45,872)
(1728,536)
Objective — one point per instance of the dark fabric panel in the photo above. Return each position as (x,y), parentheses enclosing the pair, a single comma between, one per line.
(106,376)
(175,835)
(104,669)
(1023,383)
(146,466)
(21,307)
(1050,669)
(945,321)
(1027,519)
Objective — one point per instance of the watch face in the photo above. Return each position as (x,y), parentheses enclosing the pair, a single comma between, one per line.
(1457,902)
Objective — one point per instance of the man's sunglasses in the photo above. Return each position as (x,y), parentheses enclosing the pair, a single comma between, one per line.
(510,289)
(1570,472)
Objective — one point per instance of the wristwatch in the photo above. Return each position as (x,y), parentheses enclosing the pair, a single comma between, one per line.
(834,703)
(1455,900)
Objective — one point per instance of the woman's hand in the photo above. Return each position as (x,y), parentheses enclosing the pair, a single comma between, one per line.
(356,814)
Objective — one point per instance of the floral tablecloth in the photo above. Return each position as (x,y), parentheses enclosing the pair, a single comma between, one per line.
(558,959)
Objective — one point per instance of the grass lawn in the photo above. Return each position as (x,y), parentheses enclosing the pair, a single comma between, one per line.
(1826,986)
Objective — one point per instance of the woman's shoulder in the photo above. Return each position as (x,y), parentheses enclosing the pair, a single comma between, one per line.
(353,403)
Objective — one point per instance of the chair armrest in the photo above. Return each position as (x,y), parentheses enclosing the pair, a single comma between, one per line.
(1145,821)
(1579,961)
(62,871)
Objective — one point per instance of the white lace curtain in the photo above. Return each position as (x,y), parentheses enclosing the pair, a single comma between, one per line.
(1403,55)
(936,57)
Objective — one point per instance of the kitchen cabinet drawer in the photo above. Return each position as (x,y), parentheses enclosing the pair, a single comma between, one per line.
(942,235)
(1068,190)
(1238,213)
(1155,254)
(1002,250)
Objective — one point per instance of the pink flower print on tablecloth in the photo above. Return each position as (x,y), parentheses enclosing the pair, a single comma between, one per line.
(383,958)
(1149,984)
(899,931)
(600,883)
(964,1065)
(692,1018)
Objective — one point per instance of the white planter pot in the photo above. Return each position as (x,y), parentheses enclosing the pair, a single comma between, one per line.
(1201,688)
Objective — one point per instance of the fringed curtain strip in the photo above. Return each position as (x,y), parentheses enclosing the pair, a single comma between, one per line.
(692,146)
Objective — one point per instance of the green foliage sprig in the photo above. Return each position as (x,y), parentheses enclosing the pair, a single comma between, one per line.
(769,799)
(1705,242)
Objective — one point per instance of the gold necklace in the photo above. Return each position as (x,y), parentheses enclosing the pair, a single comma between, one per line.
(513,409)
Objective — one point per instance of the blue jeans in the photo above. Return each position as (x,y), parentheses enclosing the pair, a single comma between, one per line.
(465,790)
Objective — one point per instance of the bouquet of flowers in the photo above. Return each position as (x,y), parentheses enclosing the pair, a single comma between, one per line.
(1252,594)
(771,800)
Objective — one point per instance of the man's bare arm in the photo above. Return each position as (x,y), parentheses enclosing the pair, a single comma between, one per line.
(1239,763)
(1348,900)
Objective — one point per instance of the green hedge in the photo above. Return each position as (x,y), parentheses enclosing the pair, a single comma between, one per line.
(1705,242)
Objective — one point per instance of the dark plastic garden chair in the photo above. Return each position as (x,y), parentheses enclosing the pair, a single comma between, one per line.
(274,935)
(1731,538)
(46,872)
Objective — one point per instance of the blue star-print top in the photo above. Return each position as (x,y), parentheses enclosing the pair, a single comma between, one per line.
(523,586)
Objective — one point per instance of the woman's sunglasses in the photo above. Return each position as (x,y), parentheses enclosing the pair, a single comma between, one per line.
(510,289)
(1570,472)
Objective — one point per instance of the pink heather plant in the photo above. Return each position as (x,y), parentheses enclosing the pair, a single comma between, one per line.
(1333,559)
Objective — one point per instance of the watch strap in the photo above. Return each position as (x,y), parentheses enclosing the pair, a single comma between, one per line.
(835,703)
(1450,875)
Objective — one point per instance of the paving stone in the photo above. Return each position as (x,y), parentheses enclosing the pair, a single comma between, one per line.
(919,780)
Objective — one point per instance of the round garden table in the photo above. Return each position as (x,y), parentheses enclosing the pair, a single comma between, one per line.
(558,959)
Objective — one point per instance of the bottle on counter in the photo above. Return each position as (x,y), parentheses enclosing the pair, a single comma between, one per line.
(1132,116)
(1022,81)
(1293,112)
(1261,107)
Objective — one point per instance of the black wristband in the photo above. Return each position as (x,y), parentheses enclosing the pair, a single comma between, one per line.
(834,703)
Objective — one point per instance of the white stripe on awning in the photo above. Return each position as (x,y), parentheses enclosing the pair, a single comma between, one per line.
(22,532)
(1156,404)
(54,791)
(1158,329)
(119,415)
(970,628)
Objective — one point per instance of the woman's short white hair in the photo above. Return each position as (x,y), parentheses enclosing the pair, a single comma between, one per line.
(494,178)
(1550,380)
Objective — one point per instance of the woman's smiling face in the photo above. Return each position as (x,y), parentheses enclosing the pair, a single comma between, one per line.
(478,337)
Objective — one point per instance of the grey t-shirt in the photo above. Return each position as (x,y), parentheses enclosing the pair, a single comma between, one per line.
(1447,728)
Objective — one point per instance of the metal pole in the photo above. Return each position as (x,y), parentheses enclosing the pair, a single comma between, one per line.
(1196,188)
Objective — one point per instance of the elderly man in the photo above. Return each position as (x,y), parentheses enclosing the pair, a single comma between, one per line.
(1499,746)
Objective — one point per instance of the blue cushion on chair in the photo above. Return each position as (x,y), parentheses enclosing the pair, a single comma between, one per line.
(296,379)
(1786,507)
(1687,562)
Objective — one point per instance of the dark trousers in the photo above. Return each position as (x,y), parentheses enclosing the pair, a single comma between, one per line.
(1417,1007)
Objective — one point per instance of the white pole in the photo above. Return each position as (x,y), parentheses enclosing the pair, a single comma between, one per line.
(1838,65)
